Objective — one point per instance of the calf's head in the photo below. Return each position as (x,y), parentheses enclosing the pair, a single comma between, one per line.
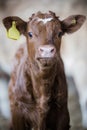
(43,33)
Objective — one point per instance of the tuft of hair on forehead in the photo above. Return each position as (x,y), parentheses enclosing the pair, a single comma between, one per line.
(44,15)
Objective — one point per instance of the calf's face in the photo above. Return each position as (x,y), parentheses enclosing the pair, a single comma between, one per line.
(43,39)
(44,33)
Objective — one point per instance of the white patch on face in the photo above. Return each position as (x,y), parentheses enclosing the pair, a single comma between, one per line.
(45,20)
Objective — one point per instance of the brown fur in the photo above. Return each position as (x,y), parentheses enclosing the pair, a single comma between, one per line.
(38,96)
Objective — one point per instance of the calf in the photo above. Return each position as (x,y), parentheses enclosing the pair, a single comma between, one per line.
(38,88)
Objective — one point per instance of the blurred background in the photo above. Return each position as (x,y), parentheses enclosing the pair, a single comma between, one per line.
(73,52)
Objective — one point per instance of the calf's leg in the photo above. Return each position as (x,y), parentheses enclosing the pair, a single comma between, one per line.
(18,122)
(58,119)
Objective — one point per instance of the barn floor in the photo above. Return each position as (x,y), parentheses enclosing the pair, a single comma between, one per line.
(74,109)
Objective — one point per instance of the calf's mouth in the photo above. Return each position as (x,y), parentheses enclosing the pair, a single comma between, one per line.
(46,63)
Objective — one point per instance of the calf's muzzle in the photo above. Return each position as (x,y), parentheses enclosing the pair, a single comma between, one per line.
(46,55)
(47,51)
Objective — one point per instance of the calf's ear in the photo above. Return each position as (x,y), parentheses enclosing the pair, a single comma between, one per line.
(72,23)
(15,26)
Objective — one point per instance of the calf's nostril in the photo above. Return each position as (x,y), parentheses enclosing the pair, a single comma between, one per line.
(41,50)
(52,50)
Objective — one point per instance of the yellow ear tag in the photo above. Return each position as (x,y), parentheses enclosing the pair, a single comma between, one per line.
(13,32)
(73,21)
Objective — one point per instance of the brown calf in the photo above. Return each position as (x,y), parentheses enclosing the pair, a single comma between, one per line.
(38,88)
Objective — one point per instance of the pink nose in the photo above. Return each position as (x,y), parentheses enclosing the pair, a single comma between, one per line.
(47,51)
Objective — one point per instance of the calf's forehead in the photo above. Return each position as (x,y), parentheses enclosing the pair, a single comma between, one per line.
(39,23)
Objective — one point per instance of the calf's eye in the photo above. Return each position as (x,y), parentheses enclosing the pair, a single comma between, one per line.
(30,34)
(60,34)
